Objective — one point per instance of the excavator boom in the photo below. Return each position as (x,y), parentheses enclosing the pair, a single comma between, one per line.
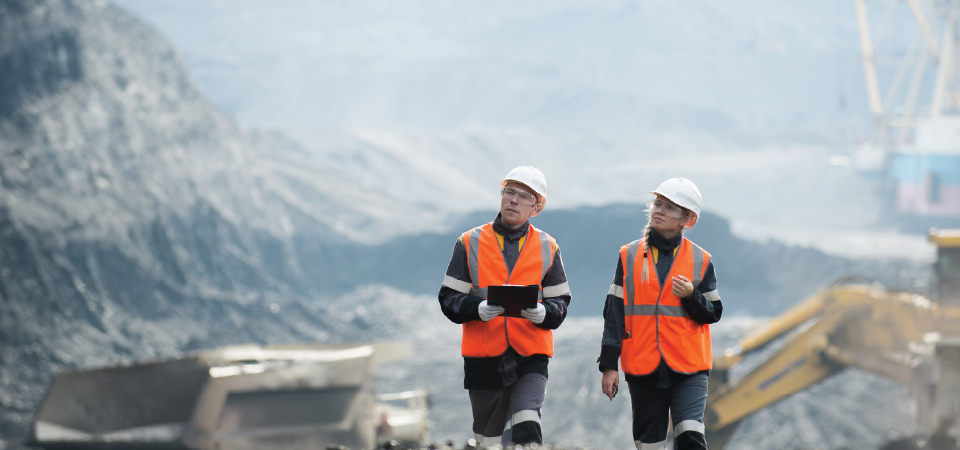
(846,326)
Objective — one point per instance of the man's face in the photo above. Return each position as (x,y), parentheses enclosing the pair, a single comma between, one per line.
(518,203)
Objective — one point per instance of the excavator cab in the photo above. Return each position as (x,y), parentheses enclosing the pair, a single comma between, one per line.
(947,267)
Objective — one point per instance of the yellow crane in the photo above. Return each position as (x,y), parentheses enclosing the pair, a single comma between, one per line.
(906,337)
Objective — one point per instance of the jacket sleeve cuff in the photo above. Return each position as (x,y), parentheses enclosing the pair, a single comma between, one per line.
(609,358)
(552,320)
(472,306)
(700,309)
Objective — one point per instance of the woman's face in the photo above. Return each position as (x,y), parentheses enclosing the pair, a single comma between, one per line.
(666,217)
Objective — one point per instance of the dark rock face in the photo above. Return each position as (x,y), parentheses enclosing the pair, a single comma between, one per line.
(128,224)
(86,87)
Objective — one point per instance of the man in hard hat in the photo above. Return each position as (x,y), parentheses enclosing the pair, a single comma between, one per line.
(505,358)
(656,322)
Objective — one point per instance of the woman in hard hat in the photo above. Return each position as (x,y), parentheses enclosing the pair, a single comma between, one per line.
(505,358)
(656,322)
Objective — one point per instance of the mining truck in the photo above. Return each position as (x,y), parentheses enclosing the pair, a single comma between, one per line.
(234,398)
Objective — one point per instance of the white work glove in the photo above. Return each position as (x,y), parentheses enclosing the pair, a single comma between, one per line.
(488,312)
(535,315)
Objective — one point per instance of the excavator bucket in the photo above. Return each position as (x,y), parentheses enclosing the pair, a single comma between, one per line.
(718,437)
(234,398)
(948,387)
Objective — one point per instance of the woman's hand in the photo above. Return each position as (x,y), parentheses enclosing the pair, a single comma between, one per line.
(610,382)
(682,287)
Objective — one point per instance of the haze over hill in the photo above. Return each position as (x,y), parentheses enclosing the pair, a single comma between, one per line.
(747,67)
(750,99)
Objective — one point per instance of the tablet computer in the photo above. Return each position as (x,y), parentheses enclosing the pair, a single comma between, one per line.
(513,298)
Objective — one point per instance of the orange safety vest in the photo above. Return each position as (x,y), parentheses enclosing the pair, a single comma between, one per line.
(655,319)
(487,267)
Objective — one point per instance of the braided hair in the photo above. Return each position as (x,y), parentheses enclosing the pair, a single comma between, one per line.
(645,273)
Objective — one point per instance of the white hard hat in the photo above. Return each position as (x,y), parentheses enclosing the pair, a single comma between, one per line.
(684,193)
(530,177)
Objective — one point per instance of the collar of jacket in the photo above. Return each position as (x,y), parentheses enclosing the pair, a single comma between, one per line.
(661,243)
(512,235)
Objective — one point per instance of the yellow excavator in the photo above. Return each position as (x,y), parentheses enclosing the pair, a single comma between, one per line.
(906,337)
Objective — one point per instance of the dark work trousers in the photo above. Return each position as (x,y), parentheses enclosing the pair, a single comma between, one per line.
(653,406)
(509,415)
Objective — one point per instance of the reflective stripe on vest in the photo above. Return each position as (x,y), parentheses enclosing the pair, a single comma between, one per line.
(655,318)
(487,267)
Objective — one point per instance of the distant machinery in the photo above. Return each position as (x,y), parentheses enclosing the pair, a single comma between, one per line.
(914,96)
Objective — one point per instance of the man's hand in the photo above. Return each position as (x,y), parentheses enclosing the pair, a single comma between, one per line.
(535,315)
(488,312)
(610,382)
(682,287)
